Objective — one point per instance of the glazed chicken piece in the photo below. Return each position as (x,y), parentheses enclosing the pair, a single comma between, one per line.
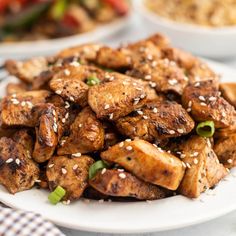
(69,173)
(123,184)
(27,70)
(18,109)
(184,59)
(46,134)
(119,96)
(17,171)
(165,75)
(156,121)
(229,92)
(112,136)
(202,72)
(159,40)
(113,58)
(204,102)
(147,162)
(225,149)
(204,170)
(86,135)
(14,88)
(84,53)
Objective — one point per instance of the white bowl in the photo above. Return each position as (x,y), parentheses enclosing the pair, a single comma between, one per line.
(208,42)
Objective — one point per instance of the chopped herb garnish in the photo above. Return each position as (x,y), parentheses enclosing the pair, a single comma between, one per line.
(206,129)
(94,168)
(93,80)
(56,196)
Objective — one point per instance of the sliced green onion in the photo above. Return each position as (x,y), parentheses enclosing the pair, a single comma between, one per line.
(93,80)
(58,9)
(206,129)
(56,196)
(95,167)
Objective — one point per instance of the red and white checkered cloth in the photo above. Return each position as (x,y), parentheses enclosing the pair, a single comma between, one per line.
(21,223)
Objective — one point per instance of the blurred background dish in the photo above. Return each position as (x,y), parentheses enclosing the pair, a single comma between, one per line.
(206,28)
(56,24)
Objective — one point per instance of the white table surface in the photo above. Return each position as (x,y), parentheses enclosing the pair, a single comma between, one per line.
(224,226)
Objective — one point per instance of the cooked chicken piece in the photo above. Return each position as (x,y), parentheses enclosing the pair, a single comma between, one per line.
(41,81)
(156,120)
(71,89)
(204,170)
(202,72)
(23,137)
(86,134)
(84,52)
(183,59)
(118,97)
(147,162)
(112,136)
(27,70)
(14,88)
(69,173)
(225,149)
(165,75)
(17,110)
(17,171)
(46,134)
(159,40)
(204,102)
(7,132)
(123,184)
(113,58)
(229,92)
(91,193)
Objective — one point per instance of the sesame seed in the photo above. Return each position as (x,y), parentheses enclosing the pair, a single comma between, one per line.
(9,160)
(195,161)
(55,119)
(154,64)
(230,161)
(152,84)
(140,112)
(13,95)
(67,202)
(23,103)
(78,154)
(101,201)
(111,116)
(134,84)
(121,170)
(129,148)
(16,102)
(51,165)
(64,171)
(227,169)
(155,110)
(190,103)
(66,72)
(172,132)
(201,98)
(188,165)
(145,117)
(203,104)
(182,156)
(122,175)
(147,77)
(17,161)
(154,145)
(160,150)
(172,81)
(197,84)
(189,109)
(75,64)
(140,89)
(212,98)
(62,142)
(149,57)
(54,112)
(128,140)
(121,144)
(223,114)
(107,106)
(63,120)
(142,96)
(67,115)
(71,99)
(195,154)
(67,104)
(181,131)
(55,127)
(75,167)
(183,164)
(103,171)
(58,92)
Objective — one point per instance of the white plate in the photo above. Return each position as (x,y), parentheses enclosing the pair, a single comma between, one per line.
(204,41)
(133,217)
(46,47)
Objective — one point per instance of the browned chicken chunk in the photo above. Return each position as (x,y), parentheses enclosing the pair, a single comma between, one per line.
(17,109)
(86,134)
(14,88)
(204,170)
(165,75)
(156,121)
(46,134)
(27,70)
(229,92)
(17,171)
(225,149)
(69,173)
(123,184)
(118,97)
(147,162)
(204,102)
